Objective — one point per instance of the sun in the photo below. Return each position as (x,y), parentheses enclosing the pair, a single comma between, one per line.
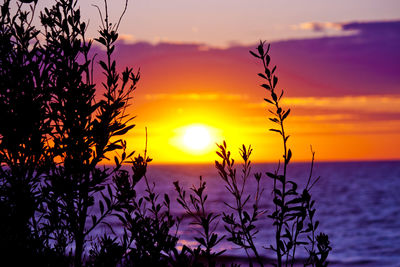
(196,138)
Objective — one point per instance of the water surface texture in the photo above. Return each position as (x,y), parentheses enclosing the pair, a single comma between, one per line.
(358,206)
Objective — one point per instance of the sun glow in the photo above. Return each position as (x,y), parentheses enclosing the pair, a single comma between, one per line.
(194,142)
(196,138)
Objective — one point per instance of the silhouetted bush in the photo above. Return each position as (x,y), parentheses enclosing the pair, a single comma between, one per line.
(293,216)
(55,133)
(24,127)
(195,207)
(240,224)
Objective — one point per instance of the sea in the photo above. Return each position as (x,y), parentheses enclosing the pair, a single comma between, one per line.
(357,204)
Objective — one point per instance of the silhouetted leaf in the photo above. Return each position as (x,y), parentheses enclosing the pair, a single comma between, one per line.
(275,81)
(254,54)
(286,114)
(262,76)
(266,86)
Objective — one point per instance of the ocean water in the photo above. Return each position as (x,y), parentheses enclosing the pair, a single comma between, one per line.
(358,206)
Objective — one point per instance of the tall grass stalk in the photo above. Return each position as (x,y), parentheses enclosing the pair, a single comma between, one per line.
(293,210)
(241,223)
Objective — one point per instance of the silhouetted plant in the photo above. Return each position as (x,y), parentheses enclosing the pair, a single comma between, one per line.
(55,132)
(208,222)
(240,223)
(292,209)
(24,126)
(85,127)
(105,253)
(186,257)
(147,222)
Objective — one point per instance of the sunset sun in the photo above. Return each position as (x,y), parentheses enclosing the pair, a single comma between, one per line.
(196,137)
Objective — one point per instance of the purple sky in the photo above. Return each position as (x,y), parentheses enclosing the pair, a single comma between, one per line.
(223,22)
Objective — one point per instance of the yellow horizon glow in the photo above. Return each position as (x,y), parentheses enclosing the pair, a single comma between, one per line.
(337,133)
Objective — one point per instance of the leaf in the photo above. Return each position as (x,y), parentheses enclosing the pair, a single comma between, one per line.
(246,216)
(260,49)
(267,59)
(288,235)
(268,72)
(281,95)
(124,130)
(274,97)
(278,192)
(278,202)
(103,65)
(289,156)
(113,146)
(299,226)
(286,114)
(201,241)
(108,202)
(101,207)
(275,130)
(250,227)
(316,225)
(266,86)
(262,76)
(294,201)
(275,81)
(269,101)
(213,239)
(254,54)
(166,198)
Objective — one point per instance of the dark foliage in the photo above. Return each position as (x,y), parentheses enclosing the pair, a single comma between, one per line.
(24,127)
(240,224)
(293,216)
(55,133)
(147,221)
(195,207)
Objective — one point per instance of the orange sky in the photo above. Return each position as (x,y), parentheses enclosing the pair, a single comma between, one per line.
(339,64)
(347,109)
(335,135)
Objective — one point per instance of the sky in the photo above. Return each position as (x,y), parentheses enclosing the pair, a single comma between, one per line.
(337,61)
(226,22)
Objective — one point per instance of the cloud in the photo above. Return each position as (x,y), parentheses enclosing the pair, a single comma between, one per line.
(371,29)
(367,62)
(346,109)
(377,27)
(318,26)
(376,104)
(366,103)
(364,27)
(127,38)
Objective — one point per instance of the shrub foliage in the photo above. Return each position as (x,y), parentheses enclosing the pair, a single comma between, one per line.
(57,126)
